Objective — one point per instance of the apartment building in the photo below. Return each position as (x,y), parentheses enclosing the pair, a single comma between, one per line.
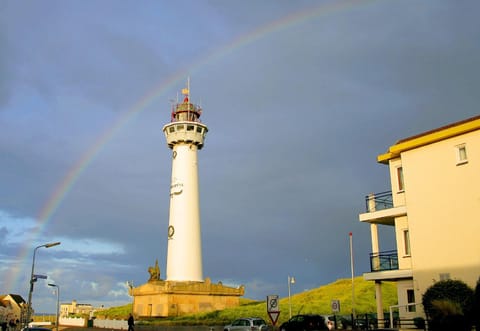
(433,206)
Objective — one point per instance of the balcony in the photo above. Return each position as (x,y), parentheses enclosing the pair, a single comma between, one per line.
(384,261)
(381,210)
(378,201)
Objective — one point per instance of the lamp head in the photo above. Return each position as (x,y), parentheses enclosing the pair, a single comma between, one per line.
(52,244)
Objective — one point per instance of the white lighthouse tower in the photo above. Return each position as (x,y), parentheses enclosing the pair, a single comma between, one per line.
(184,290)
(185,136)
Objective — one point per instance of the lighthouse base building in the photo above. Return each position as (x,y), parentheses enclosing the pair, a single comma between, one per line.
(163,298)
(184,291)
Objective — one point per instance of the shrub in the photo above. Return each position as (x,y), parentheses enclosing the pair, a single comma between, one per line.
(448,305)
(476,306)
(419,322)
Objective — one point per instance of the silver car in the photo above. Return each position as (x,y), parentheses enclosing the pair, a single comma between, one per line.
(247,324)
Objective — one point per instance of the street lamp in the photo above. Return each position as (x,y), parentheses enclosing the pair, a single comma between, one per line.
(33,279)
(58,302)
(291,280)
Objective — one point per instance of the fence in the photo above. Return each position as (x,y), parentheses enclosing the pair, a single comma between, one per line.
(72,321)
(111,324)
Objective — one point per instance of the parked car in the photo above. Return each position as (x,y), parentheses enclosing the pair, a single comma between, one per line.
(308,322)
(247,324)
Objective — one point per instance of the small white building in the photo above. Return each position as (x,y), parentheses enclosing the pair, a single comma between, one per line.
(434,208)
(74,308)
(12,306)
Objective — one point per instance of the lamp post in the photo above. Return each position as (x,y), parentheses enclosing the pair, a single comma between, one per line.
(58,302)
(32,280)
(291,280)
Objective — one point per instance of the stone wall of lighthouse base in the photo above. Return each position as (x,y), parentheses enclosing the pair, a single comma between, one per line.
(162,298)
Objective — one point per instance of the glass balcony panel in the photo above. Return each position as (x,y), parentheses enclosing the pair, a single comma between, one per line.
(378,201)
(382,261)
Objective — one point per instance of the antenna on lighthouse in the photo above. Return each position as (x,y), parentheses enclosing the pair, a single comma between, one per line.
(186,93)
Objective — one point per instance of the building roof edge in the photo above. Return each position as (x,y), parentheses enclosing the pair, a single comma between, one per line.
(429,137)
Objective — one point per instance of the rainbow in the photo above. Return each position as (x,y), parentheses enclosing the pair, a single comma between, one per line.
(68,181)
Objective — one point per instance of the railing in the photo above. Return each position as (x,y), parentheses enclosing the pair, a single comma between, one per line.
(369,321)
(418,322)
(406,323)
(378,201)
(382,261)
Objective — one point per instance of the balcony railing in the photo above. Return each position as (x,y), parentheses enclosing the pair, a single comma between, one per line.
(378,201)
(382,261)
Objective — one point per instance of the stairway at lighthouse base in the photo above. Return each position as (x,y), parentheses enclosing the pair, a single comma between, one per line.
(162,298)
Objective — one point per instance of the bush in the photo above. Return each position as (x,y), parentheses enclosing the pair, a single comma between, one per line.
(476,306)
(448,305)
(419,322)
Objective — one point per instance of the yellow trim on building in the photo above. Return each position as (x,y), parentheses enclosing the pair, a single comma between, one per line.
(429,138)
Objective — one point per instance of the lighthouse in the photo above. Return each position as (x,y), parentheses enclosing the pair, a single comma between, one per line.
(184,290)
(185,136)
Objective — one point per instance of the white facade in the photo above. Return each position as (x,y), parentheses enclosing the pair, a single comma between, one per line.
(185,136)
(434,211)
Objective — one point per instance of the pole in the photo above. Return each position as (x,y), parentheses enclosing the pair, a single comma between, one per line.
(353,283)
(29,302)
(58,303)
(32,280)
(291,280)
(289,302)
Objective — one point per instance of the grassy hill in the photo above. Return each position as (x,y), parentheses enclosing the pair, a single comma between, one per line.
(313,301)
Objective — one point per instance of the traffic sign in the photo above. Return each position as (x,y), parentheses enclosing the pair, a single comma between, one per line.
(335,304)
(40,276)
(272,303)
(274,316)
(273,308)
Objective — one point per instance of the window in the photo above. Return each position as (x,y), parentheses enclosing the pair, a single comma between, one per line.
(461,154)
(411,299)
(444,276)
(189,127)
(171,129)
(406,242)
(400,179)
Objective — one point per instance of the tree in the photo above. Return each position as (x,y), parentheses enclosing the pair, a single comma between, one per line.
(449,305)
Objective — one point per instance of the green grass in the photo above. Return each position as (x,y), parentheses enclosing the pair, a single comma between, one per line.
(316,301)
(120,312)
